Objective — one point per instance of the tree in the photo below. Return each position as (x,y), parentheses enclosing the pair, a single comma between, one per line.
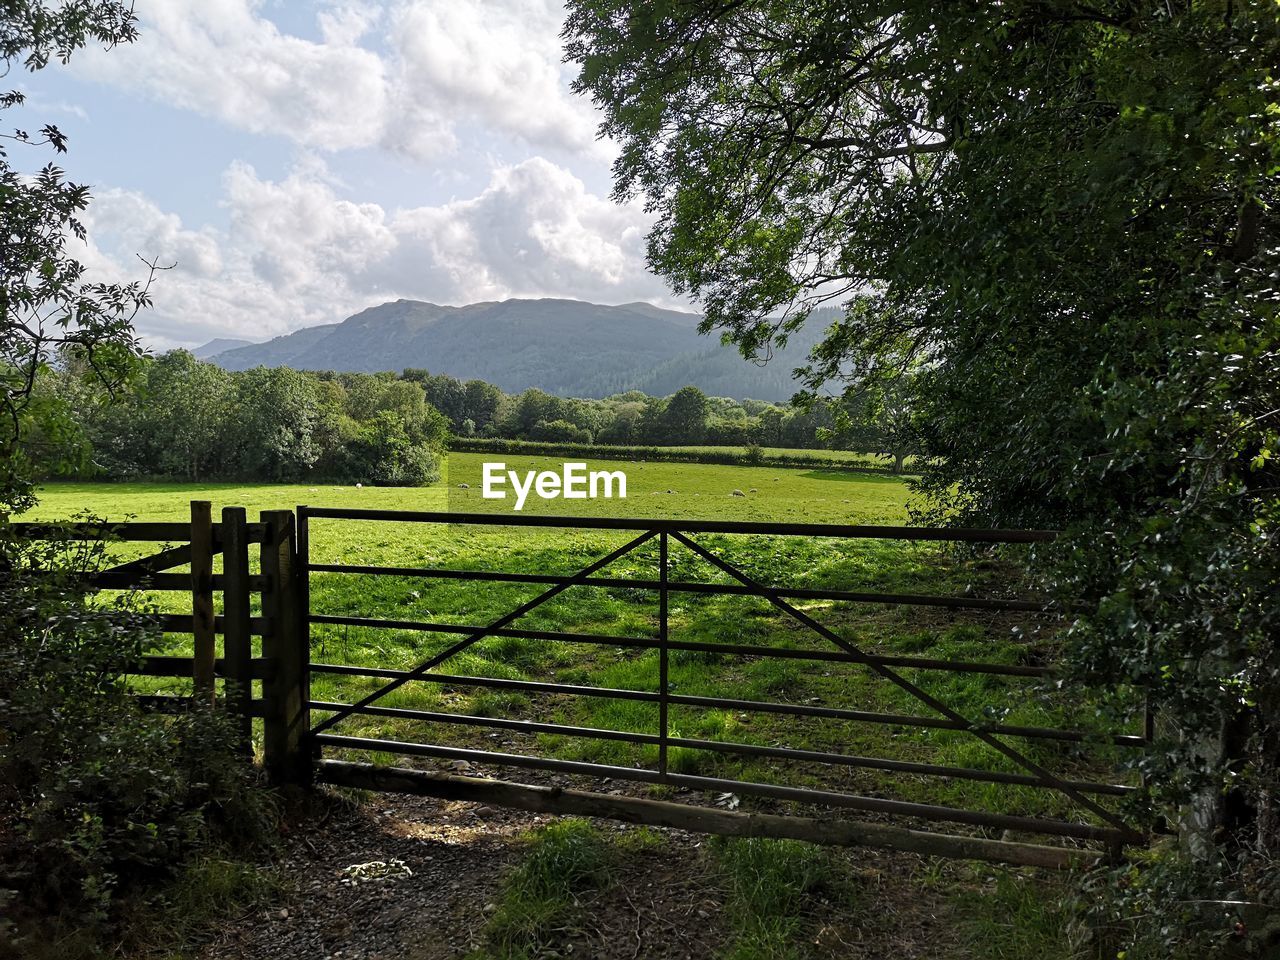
(183,417)
(276,420)
(443,392)
(876,419)
(685,418)
(1064,214)
(46,301)
(481,402)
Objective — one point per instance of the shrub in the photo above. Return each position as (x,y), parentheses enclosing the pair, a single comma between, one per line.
(1166,906)
(107,799)
(753,456)
(559,431)
(385,454)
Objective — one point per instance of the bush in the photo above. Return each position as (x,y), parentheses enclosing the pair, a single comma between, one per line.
(107,800)
(559,431)
(1166,906)
(385,454)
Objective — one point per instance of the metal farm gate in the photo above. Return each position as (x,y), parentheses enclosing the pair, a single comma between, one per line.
(1098,826)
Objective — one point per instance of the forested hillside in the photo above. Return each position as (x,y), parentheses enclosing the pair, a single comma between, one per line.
(565,347)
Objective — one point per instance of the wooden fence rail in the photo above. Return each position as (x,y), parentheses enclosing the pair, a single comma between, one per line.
(196,545)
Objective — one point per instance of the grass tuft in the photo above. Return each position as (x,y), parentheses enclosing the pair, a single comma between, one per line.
(564,859)
(770,884)
(1016,917)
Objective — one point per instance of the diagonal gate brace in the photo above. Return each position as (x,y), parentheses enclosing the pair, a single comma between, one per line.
(481,632)
(896,678)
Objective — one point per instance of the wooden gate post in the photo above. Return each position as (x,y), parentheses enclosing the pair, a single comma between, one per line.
(287,718)
(237,642)
(202,623)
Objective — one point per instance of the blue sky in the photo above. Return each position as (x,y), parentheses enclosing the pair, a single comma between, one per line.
(300,161)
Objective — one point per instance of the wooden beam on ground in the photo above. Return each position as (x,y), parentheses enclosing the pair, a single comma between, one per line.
(559,800)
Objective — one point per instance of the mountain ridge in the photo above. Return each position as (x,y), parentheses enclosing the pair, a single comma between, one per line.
(565,347)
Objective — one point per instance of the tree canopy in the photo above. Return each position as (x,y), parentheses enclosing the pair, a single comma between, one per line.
(46,301)
(1060,216)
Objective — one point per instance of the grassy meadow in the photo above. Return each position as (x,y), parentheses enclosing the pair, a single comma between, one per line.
(665,490)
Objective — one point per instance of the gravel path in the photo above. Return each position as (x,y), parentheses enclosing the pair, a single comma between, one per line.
(395,877)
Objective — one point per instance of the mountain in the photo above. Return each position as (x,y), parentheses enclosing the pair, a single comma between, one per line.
(565,347)
(220,345)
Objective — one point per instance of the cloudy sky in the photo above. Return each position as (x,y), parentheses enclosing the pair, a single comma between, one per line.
(300,160)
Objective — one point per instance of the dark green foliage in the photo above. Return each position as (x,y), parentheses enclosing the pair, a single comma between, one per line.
(1062,218)
(685,416)
(107,801)
(1238,921)
(559,431)
(384,453)
(185,419)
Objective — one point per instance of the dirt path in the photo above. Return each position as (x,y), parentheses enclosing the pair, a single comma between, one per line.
(666,901)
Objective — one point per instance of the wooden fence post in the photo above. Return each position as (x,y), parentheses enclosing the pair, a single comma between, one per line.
(287,718)
(237,642)
(202,627)
(664,683)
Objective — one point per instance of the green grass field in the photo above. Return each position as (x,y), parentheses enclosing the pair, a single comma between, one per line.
(666,490)
(689,490)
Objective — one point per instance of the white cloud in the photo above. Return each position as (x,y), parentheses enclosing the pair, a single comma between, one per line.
(498,62)
(411,76)
(297,254)
(220,58)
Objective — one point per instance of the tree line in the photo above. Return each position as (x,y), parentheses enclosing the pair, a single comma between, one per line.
(177,417)
(181,418)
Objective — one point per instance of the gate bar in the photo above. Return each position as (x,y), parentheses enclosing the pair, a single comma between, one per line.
(843,531)
(763,706)
(797,593)
(794,653)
